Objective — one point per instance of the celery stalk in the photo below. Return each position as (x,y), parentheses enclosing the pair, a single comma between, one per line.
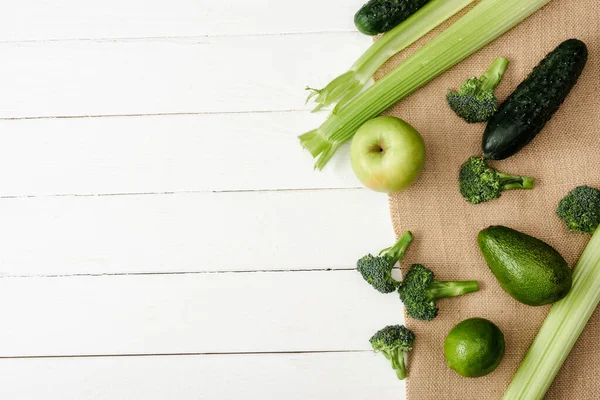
(343,88)
(485,22)
(560,330)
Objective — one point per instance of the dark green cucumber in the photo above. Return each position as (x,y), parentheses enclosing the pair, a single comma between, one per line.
(523,115)
(379,16)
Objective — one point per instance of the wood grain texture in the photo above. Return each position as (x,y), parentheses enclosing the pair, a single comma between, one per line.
(168,75)
(238,69)
(72,19)
(191,232)
(225,377)
(158,154)
(198,313)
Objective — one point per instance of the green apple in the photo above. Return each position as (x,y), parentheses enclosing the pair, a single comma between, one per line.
(387,154)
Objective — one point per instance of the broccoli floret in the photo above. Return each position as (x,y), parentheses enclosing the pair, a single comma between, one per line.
(476,101)
(393,341)
(377,270)
(580,209)
(419,291)
(480,182)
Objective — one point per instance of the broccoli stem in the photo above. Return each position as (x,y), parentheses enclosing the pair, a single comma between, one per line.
(510,182)
(439,289)
(396,252)
(493,76)
(396,356)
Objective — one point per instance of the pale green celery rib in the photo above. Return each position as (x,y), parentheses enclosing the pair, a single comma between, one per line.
(343,88)
(561,329)
(484,23)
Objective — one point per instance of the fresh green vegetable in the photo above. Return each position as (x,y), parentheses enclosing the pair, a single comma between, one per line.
(393,341)
(377,270)
(485,22)
(379,16)
(528,269)
(419,292)
(387,154)
(568,317)
(346,86)
(474,347)
(479,182)
(525,113)
(579,209)
(475,101)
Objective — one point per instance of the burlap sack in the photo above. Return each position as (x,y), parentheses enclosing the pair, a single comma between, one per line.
(565,154)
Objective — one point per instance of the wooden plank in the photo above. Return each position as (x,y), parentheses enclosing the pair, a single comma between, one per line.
(164,154)
(72,19)
(150,76)
(192,313)
(191,232)
(351,376)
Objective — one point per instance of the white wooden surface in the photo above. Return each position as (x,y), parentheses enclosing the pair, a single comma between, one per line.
(164,236)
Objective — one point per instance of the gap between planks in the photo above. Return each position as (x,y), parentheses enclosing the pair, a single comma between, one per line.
(250,353)
(117,274)
(167,114)
(180,192)
(129,39)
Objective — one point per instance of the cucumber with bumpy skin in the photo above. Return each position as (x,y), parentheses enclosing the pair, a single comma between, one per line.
(379,16)
(525,113)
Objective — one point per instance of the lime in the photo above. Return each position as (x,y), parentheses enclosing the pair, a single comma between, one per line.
(474,347)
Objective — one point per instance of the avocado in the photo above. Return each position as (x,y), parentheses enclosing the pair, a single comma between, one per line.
(528,269)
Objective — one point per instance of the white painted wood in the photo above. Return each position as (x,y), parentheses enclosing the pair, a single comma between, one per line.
(72,19)
(73,58)
(191,232)
(192,313)
(349,376)
(149,76)
(164,154)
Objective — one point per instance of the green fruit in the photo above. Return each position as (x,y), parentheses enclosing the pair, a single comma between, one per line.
(387,154)
(474,347)
(528,269)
